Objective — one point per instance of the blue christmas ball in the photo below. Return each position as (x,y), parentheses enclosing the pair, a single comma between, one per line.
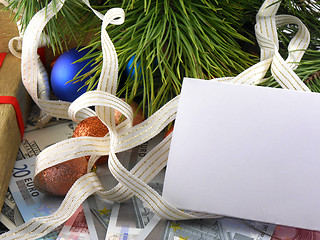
(130,70)
(64,70)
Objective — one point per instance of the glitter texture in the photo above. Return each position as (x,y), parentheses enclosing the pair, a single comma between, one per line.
(92,127)
(58,179)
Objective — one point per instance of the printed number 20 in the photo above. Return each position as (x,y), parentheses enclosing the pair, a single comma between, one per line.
(21,172)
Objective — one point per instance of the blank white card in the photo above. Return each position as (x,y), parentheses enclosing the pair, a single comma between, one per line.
(247,152)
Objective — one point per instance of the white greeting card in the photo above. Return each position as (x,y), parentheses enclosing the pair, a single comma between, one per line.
(248,152)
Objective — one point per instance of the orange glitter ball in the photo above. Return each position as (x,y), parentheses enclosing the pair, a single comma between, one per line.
(92,127)
(58,179)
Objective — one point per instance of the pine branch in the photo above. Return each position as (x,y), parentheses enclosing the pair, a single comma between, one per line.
(175,39)
(198,40)
(309,67)
(172,40)
(63,28)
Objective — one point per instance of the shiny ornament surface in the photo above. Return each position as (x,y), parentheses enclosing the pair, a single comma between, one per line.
(58,179)
(64,70)
(137,113)
(130,70)
(92,127)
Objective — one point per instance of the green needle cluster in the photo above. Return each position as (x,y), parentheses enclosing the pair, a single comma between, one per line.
(62,29)
(169,40)
(309,13)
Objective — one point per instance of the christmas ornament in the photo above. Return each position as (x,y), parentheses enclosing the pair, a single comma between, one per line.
(65,69)
(58,179)
(92,127)
(220,46)
(130,69)
(137,112)
(130,184)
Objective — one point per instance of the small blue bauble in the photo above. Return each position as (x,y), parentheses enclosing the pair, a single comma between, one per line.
(130,68)
(64,70)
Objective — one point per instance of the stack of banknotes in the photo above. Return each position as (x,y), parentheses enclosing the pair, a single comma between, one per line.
(100,219)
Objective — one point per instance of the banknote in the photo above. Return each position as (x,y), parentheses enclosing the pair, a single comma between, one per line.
(156,226)
(129,218)
(123,223)
(89,218)
(291,233)
(239,229)
(52,235)
(33,203)
(101,211)
(29,200)
(208,229)
(10,215)
(34,117)
(100,208)
(34,141)
(77,227)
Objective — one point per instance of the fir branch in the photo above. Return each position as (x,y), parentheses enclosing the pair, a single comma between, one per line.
(61,29)
(172,40)
(176,39)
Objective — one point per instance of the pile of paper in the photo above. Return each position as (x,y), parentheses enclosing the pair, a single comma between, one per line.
(101,219)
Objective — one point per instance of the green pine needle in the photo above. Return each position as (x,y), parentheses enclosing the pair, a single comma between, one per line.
(176,39)
(61,29)
(172,40)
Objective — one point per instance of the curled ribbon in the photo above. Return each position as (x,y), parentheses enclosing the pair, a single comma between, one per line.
(125,136)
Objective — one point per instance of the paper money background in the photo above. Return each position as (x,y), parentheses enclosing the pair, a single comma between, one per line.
(99,219)
(34,141)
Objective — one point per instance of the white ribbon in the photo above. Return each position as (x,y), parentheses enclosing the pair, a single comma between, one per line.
(15,47)
(125,136)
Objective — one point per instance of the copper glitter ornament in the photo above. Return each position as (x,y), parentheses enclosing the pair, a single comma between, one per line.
(92,127)
(138,116)
(58,179)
